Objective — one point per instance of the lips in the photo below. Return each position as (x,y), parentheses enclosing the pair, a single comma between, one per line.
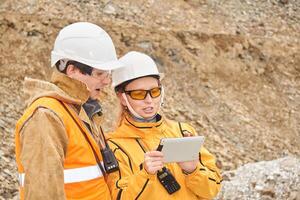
(148,110)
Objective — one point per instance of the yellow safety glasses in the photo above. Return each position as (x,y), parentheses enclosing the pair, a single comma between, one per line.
(141,94)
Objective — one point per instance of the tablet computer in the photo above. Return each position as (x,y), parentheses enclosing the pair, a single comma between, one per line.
(181,149)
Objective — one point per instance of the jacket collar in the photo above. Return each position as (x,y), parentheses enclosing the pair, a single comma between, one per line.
(133,129)
(74,88)
(77,90)
(142,125)
(61,87)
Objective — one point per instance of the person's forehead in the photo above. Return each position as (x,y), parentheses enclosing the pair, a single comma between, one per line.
(143,83)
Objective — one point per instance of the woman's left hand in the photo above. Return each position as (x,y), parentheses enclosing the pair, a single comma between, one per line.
(188,166)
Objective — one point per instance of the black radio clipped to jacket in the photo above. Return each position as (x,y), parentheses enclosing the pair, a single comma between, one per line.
(168,181)
(109,160)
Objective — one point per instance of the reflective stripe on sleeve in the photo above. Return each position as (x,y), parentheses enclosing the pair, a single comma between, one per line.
(74,175)
(82,174)
(21,178)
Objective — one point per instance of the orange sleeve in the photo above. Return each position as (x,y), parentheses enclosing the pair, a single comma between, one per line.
(206,180)
(43,147)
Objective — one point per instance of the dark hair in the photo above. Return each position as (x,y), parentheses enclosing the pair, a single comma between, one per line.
(121,87)
(85,69)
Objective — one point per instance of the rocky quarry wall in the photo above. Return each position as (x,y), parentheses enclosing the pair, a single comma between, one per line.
(232,70)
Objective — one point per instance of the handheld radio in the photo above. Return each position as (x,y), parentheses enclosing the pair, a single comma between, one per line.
(166,178)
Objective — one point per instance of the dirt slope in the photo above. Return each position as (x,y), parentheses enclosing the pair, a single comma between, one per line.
(232,67)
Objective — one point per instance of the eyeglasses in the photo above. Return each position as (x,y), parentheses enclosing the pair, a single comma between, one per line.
(142,94)
(101,75)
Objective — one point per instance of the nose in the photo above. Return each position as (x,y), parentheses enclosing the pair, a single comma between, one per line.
(148,98)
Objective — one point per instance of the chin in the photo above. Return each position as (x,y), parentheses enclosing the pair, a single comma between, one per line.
(95,95)
(148,116)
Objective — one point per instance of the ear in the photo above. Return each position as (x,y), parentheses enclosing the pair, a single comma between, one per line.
(121,98)
(72,70)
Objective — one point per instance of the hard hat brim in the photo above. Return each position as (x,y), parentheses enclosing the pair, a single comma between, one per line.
(108,65)
(161,77)
(102,66)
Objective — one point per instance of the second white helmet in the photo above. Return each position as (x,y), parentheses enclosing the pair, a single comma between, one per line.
(86,43)
(136,65)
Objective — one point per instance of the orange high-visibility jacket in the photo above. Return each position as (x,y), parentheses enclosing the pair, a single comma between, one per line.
(83,178)
(132,139)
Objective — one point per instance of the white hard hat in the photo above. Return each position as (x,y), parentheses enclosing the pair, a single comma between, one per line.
(136,65)
(86,43)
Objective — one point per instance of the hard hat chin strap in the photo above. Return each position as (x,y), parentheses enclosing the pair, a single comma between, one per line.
(162,97)
(130,108)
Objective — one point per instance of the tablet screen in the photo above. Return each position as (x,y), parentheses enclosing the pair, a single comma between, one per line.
(181,149)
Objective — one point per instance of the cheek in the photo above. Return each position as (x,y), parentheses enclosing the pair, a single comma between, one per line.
(136,104)
(156,102)
(92,84)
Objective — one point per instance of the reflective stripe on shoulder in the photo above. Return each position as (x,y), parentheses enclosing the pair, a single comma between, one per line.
(74,175)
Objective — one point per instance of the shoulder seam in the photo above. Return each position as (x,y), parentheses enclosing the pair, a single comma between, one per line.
(36,109)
